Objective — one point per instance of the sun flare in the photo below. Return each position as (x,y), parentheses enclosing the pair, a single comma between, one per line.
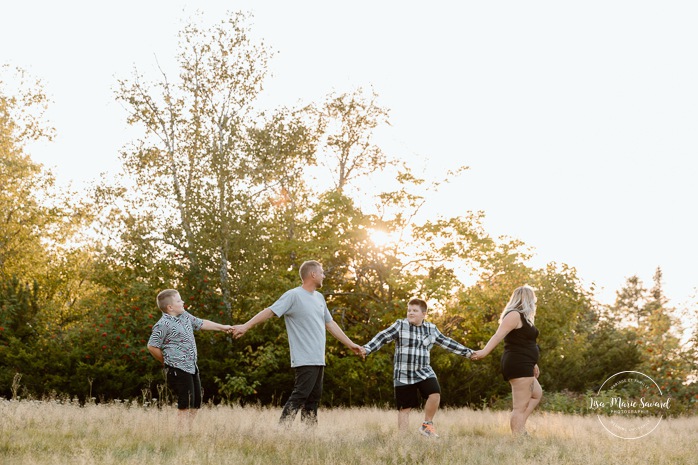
(382,238)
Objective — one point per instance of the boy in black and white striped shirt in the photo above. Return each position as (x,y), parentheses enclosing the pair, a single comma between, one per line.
(172,343)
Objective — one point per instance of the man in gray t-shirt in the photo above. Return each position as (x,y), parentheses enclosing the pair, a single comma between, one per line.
(307,318)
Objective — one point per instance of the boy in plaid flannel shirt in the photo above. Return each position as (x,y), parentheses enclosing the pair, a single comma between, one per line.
(413,375)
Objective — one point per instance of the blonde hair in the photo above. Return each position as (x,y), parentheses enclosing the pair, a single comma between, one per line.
(523,300)
(308,267)
(165,298)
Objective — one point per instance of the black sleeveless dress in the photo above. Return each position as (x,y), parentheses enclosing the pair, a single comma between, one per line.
(520,351)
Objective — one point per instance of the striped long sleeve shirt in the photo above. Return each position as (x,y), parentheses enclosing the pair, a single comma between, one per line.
(412,349)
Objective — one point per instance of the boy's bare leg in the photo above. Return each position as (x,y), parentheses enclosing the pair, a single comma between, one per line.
(403,419)
(431,406)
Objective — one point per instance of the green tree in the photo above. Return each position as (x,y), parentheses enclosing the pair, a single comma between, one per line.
(347,122)
(39,242)
(24,220)
(657,334)
(208,166)
(630,303)
(220,188)
(660,346)
(19,308)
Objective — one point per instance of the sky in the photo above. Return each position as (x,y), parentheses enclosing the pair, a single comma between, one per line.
(577,119)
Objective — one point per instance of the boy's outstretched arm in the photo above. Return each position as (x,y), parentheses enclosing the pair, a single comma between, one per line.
(213,326)
(452,345)
(379,340)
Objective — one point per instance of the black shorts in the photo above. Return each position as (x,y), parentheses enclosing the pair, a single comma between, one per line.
(186,386)
(518,365)
(407,396)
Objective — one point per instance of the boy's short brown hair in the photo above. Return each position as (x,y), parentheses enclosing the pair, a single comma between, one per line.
(165,298)
(419,303)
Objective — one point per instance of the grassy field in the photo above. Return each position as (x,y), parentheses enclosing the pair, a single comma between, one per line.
(34,432)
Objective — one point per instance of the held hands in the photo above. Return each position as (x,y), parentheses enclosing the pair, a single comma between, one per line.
(478,355)
(238,330)
(358,350)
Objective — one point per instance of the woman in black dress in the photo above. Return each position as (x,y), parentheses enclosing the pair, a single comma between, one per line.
(520,358)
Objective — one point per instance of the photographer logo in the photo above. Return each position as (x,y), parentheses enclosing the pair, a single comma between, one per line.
(629,405)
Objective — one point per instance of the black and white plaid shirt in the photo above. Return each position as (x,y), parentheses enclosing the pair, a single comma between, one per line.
(174,335)
(412,347)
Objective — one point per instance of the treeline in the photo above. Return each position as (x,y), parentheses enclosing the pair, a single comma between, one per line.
(215,200)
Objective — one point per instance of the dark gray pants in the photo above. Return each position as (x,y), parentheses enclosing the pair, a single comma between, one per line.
(305,396)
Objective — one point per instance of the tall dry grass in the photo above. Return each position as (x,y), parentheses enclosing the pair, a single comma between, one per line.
(64,433)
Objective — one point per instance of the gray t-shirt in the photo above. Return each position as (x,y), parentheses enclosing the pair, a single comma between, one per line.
(305,314)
